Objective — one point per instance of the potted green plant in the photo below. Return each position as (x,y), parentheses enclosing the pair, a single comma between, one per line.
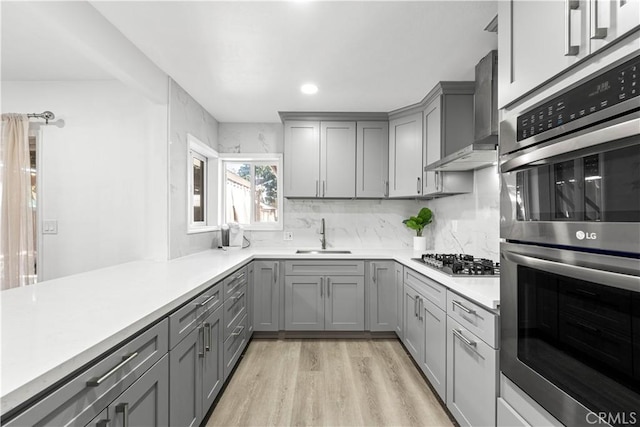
(418,223)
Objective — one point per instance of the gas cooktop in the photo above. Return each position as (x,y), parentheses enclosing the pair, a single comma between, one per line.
(460,265)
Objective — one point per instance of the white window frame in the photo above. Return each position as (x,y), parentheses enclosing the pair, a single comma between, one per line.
(254,159)
(200,150)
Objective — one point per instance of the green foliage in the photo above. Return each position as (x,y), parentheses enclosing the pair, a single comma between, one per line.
(418,222)
(265,180)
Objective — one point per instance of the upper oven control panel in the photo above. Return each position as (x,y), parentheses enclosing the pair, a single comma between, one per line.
(606,90)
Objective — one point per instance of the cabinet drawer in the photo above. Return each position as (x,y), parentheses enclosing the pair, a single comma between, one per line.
(476,319)
(82,398)
(186,318)
(430,289)
(235,308)
(234,280)
(313,267)
(234,345)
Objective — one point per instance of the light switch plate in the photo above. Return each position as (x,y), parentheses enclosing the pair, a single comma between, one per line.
(288,235)
(50,226)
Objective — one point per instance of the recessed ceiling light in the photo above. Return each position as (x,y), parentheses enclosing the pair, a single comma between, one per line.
(309,89)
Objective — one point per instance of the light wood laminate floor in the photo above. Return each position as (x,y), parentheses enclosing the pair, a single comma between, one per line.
(327,382)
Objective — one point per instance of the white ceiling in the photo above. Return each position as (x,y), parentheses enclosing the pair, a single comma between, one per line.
(245,61)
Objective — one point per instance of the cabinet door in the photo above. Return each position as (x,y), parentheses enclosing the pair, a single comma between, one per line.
(344,306)
(472,377)
(382,296)
(266,295)
(433,363)
(610,19)
(304,303)
(432,141)
(399,285)
(146,402)
(185,379)
(301,159)
(338,159)
(102,420)
(413,325)
(372,159)
(405,156)
(213,364)
(250,300)
(533,43)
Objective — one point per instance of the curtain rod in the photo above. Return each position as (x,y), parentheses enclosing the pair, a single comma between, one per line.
(46,115)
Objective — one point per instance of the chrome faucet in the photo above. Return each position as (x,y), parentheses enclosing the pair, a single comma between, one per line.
(324,235)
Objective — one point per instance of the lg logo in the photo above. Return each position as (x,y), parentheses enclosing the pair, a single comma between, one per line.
(581,235)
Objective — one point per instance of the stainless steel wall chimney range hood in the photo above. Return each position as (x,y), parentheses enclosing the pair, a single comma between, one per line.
(483,151)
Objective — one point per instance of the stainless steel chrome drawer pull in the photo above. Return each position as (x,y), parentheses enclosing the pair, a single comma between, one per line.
(208,300)
(459,304)
(467,341)
(94,382)
(234,333)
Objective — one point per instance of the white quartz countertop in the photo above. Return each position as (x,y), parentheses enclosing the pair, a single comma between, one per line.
(51,329)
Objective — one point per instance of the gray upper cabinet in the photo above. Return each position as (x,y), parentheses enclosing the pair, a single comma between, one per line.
(538,40)
(405,156)
(266,295)
(320,159)
(372,159)
(382,295)
(301,159)
(337,159)
(146,402)
(448,127)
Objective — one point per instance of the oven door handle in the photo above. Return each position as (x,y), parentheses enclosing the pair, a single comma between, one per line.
(592,138)
(609,278)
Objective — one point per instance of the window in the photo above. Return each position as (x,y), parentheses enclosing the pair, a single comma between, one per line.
(251,192)
(201,175)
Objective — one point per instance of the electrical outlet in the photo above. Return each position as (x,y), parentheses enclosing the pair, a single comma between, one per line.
(50,226)
(288,235)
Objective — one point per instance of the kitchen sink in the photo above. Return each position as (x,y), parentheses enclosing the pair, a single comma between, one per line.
(320,251)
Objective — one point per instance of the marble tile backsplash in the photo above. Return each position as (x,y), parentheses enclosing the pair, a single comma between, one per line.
(464,223)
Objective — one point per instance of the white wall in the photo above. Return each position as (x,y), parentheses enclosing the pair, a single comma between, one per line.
(185,116)
(463,223)
(104,173)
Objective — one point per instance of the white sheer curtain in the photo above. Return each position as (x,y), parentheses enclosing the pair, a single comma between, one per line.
(17,256)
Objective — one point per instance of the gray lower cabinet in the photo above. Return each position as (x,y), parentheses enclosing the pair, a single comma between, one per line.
(413,323)
(250,276)
(434,358)
(102,420)
(472,370)
(85,397)
(380,277)
(266,295)
(329,302)
(196,371)
(398,280)
(146,402)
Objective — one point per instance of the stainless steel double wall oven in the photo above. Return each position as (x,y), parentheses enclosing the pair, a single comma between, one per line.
(570,272)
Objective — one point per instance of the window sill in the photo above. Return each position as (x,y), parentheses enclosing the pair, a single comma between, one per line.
(197,230)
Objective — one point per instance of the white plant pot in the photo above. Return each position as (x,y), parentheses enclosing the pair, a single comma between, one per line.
(419,243)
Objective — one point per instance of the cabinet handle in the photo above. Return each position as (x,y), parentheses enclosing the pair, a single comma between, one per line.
(207,336)
(321,286)
(323,187)
(420,308)
(237,295)
(103,423)
(207,301)
(201,341)
(419,186)
(415,306)
(467,341)
(597,32)
(437,176)
(328,287)
(386,189)
(569,49)
(373,272)
(276,267)
(123,408)
(235,334)
(459,304)
(94,382)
